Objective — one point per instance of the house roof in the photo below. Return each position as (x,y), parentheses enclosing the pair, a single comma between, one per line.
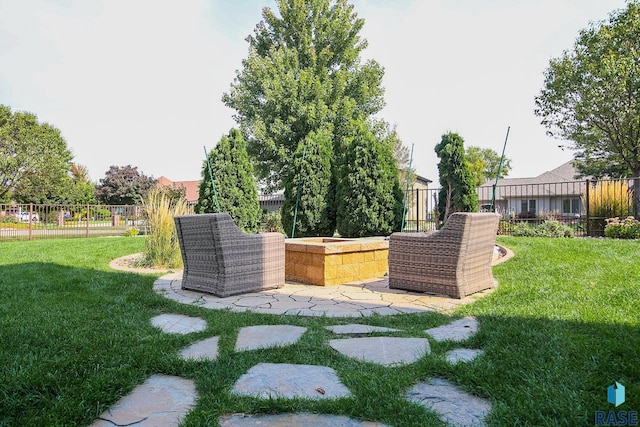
(566,172)
(274,197)
(192,187)
(560,181)
(423,180)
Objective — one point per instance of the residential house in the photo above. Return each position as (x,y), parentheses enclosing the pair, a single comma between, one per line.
(192,188)
(270,202)
(554,193)
(419,203)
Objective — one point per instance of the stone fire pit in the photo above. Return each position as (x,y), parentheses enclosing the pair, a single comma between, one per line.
(327,261)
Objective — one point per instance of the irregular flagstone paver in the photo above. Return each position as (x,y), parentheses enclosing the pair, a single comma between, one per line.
(358,299)
(293,420)
(263,336)
(273,380)
(261,301)
(462,355)
(178,324)
(355,329)
(383,350)
(160,401)
(458,330)
(352,300)
(454,405)
(202,350)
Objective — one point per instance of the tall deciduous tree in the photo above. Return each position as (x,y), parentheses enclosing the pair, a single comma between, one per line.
(457,189)
(79,189)
(309,187)
(302,74)
(484,163)
(123,185)
(591,97)
(369,199)
(34,158)
(235,185)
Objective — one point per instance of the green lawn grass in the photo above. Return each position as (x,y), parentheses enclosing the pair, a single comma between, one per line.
(75,336)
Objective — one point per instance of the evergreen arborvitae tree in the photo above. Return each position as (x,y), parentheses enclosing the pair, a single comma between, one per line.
(457,190)
(234,183)
(312,178)
(369,199)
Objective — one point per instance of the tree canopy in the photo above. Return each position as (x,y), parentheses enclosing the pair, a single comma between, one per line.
(484,163)
(303,73)
(77,187)
(123,185)
(591,96)
(34,158)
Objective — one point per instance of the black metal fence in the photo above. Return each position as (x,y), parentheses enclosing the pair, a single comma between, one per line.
(582,205)
(36,221)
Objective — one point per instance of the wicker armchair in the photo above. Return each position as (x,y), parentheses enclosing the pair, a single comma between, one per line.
(454,261)
(222,260)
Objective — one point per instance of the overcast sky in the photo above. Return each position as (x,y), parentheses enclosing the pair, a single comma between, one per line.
(140,81)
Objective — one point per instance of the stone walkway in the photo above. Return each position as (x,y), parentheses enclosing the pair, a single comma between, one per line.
(164,400)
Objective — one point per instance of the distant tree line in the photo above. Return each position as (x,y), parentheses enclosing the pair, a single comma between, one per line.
(36,166)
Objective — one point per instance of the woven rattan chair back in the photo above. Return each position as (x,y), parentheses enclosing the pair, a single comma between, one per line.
(222,260)
(454,261)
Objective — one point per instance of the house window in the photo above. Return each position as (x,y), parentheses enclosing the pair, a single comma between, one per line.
(528,206)
(571,206)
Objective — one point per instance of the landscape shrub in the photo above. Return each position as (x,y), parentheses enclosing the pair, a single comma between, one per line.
(131,232)
(504,228)
(272,223)
(235,188)
(8,219)
(309,184)
(369,199)
(162,248)
(628,228)
(457,184)
(544,229)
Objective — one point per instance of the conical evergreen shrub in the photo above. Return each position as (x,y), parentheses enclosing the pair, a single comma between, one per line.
(369,199)
(235,185)
(311,178)
(457,189)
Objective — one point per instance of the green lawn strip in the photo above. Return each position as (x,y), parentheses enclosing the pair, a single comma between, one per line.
(563,326)
(76,336)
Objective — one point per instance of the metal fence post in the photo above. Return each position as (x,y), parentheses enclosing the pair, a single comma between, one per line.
(635,196)
(587,209)
(30,221)
(417,210)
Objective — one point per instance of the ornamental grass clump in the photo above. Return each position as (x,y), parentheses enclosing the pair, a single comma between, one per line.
(609,199)
(628,228)
(162,248)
